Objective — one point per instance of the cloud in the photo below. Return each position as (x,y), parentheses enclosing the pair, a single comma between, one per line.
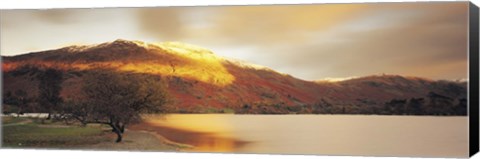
(308,41)
(164,23)
(277,25)
(51,16)
(24,31)
(329,40)
(419,44)
(57,16)
(244,24)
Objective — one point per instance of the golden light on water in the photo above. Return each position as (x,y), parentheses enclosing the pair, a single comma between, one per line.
(204,123)
(316,134)
(215,144)
(206,133)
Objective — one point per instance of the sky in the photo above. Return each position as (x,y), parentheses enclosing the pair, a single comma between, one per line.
(311,42)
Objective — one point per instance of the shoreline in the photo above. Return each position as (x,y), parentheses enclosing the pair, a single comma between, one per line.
(99,138)
(136,140)
(165,140)
(195,141)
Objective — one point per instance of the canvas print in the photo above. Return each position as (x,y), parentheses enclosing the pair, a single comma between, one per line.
(371,79)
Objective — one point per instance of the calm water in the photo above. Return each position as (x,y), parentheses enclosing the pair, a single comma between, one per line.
(318,134)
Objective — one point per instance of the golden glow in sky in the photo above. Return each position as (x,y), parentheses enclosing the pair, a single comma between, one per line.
(311,42)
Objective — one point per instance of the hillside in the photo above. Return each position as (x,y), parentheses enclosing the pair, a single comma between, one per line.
(201,82)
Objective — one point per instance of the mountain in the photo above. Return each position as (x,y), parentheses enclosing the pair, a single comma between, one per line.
(201,82)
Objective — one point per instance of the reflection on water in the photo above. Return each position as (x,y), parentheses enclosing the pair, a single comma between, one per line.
(211,143)
(204,133)
(316,134)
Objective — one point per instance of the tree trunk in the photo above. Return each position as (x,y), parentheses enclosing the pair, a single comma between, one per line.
(49,116)
(118,132)
(122,128)
(19,113)
(119,136)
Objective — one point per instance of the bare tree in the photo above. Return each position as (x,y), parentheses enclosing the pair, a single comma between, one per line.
(19,99)
(49,90)
(118,99)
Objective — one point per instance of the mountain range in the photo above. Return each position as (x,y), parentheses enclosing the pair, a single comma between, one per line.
(201,82)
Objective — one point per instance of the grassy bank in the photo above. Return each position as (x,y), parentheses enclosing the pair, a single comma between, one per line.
(19,133)
(35,133)
(12,120)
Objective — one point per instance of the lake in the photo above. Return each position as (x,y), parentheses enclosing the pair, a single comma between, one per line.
(366,135)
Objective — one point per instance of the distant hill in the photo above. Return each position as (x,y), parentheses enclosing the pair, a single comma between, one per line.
(201,82)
